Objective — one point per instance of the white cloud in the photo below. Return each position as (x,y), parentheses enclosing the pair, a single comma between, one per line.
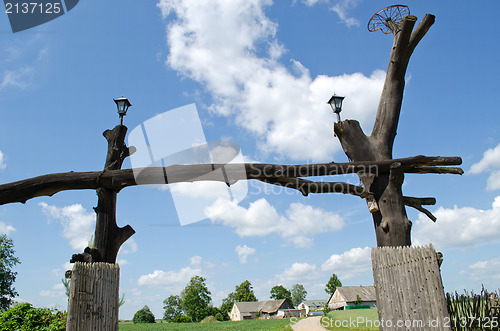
(202,189)
(311,3)
(490,161)
(2,161)
(342,7)
(467,224)
(57,290)
(230,47)
(244,252)
(300,224)
(355,262)
(21,78)
(493,181)
(6,228)
(24,75)
(174,280)
(129,247)
(485,269)
(78,224)
(299,273)
(122,262)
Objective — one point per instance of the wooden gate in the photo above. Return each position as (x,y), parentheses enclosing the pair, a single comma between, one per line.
(409,289)
(93,297)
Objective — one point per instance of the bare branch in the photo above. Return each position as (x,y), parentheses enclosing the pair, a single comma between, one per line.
(417,204)
(389,108)
(116,180)
(420,31)
(306,187)
(434,170)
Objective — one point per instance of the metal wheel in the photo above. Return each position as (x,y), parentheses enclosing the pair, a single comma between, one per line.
(392,13)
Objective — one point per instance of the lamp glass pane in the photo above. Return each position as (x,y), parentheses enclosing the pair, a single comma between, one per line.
(338,103)
(121,106)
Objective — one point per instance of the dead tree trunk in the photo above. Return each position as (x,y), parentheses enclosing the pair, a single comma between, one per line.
(93,300)
(392,227)
(108,236)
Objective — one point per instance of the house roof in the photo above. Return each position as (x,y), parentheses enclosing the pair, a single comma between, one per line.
(249,307)
(270,306)
(350,293)
(314,303)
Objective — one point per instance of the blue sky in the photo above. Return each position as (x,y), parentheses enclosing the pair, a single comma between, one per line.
(260,73)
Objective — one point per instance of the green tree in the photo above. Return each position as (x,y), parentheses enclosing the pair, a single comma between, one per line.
(278,292)
(358,300)
(227,305)
(7,276)
(172,307)
(196,299)
(244,292)
(332,284)
(144,315)
(299,294)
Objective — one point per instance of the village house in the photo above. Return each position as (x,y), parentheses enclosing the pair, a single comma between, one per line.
(263,309)
(345,296)
(312,305)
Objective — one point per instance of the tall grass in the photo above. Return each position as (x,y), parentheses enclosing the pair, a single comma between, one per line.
(471,311)
(251,325)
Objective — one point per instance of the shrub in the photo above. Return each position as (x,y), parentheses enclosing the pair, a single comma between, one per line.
(144,315)
(23,316)
(181,319)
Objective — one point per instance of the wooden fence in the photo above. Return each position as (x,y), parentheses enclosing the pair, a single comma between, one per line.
(94,297)
(409,289)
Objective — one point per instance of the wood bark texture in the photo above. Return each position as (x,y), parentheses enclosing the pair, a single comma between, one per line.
(93,297)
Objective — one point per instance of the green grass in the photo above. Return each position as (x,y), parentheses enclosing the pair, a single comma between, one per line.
(272,325)
(354,320)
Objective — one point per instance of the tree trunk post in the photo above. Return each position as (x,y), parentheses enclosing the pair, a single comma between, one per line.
(108,237)
(94,291)
(386,201)
(94,297)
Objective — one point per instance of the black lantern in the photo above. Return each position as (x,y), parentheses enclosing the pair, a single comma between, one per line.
(336,104)
(122,104)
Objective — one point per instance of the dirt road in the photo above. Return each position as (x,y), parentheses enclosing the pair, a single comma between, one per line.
(309,324)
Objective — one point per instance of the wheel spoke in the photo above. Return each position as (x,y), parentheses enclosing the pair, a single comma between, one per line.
(394,13)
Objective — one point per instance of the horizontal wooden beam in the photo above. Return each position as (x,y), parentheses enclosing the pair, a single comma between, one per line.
(48,185)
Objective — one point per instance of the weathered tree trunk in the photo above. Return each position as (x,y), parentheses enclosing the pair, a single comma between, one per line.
(93,300)
(108,236)
(94,297)
(392,227)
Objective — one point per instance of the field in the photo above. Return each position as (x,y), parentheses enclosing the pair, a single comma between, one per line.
(352,320)
(359,320)
(272,325)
